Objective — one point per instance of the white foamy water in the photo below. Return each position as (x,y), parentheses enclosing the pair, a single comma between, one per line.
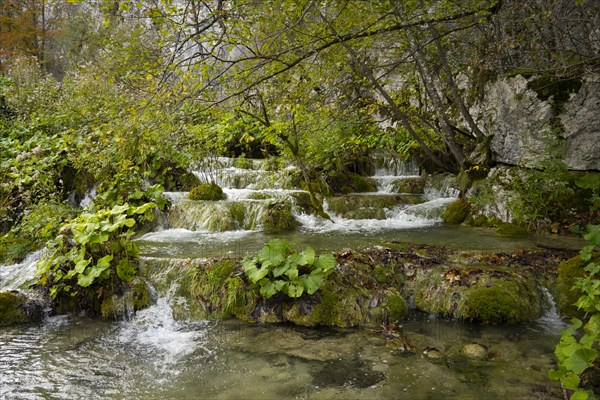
(18,276)
(155,331)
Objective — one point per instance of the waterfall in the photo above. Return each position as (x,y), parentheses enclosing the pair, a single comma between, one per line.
(21,275)
(551,320)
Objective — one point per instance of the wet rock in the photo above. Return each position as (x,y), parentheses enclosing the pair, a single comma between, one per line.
(207,191)
(457,212)
(475,351)
(356,206)
(16,308)
(278,217)
(408,185)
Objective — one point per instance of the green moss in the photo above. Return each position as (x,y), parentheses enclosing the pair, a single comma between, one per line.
(457,212)
(363,184)
(395,305)
(184,182)
(511,230)
(278,217)
(409,185)
(506,302)
(12,309)
(568,272)
(207,191)
(326,312)
(141,294)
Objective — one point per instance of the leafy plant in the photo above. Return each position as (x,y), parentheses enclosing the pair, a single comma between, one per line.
(93,253)
(277,268)
(577,350)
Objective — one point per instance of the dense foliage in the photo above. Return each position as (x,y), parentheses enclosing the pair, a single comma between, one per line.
(577,351)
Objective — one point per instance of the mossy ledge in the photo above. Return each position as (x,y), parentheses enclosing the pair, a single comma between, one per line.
(16,308)
(370,288)
(207,191)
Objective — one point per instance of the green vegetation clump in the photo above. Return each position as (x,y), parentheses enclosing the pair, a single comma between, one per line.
(207,191)
(457,212)
(93,258)
(569,272)
(277,268)
(577,352)
(244,163)
(409,185)
(220,287)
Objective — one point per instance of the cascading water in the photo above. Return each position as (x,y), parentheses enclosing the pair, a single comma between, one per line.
(251,187)
(20,275)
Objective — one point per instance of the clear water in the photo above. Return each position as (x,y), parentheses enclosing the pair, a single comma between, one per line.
(155,357)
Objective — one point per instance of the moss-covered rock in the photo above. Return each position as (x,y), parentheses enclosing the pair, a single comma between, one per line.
(457,212)
(506,302)
(136,296)
(278,217)
(511,230)
(489,296)
(243,163)
(357,206)
(346,182)
(16,308)
(207,191)
(568,272)
(409,185)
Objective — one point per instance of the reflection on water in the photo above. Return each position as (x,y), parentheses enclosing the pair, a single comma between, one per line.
(155,357)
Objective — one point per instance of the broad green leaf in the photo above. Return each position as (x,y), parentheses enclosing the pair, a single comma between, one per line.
(143,208)
(273,253)
(312,282)
(570,380)
(268,288)
(326,262)
(308,256)
(281,269)
(580,360)
(295,291)
(582,394)
(81,265)
(85,280)
(588,181)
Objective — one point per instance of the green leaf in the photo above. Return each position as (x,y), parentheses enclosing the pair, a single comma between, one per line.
(274,252)
(570,381)
(582,394)
(294,290)
(580,360)
(588,181)
(308,256)
(81,265)
(143,208)
(326,262)
(254,273)
(281,269)
(268,288)
(312,282)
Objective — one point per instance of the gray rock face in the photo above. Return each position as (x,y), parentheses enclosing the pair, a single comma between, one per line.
(581,120)
(522,129)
